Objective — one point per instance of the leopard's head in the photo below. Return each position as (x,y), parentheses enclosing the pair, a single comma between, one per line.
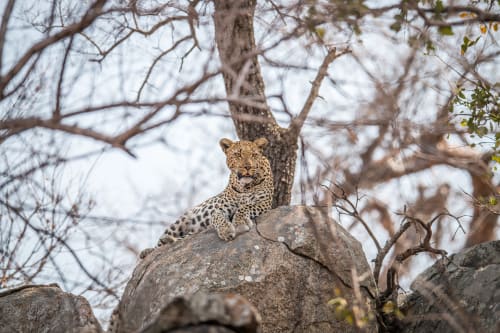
(246,160)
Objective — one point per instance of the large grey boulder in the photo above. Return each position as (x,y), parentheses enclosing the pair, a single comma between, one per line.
(457,295)
(287,267)
(45,309)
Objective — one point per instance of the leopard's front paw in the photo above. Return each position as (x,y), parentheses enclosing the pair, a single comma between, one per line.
(242,229)
(144,253)
(227,233)
(166,239)
(244,221)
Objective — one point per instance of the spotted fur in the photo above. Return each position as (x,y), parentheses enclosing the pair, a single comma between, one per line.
(248,194)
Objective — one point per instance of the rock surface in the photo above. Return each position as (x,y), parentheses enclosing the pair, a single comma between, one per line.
(287,267)
(457,295)
(209,313)
(44,309)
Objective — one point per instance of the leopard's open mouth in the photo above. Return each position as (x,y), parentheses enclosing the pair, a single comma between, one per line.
(245,179)
(240,176)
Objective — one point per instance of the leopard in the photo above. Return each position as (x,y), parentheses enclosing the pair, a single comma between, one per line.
(248,194)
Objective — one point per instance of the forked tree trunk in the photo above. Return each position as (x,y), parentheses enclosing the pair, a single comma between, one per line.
(245,90)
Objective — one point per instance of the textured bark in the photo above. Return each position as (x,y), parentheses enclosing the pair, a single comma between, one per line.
(484,221)
(245,89)
(282,153)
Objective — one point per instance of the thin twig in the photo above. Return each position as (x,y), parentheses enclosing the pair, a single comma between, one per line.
(298,122)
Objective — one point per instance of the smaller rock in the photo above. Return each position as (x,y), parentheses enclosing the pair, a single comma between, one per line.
(209,313)
(459,294)
(45,308)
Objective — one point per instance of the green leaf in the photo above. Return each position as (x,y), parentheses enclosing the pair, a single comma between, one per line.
(463,49)
(396,26)
(389,307)
(481,131)
(338,301)
(320,32)
(465,45)
(446,30)
(439,6)
(429,47)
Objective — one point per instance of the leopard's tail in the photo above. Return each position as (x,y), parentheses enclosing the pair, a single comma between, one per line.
(170,235)
(179,229)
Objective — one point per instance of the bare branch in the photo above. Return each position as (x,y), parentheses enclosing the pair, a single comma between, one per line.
(32,122)
(479,15)
(57,111)
(94,11)
(3,28)
(75,256)
(157,59)
(298,122)
(340,194)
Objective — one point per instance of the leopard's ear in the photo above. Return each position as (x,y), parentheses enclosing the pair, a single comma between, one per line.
(225,144)
(261,142)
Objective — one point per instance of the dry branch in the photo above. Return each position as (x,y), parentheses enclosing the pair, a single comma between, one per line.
(94,11)
(298,122)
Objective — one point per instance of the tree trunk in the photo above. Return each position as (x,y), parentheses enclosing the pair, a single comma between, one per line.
(245,90)
(484,222)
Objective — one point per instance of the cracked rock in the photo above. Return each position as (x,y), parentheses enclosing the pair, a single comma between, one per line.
(289,282)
